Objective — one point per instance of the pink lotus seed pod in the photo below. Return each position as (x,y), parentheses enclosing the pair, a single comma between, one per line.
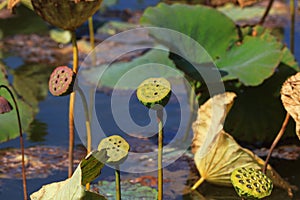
(61,81)
(5,106)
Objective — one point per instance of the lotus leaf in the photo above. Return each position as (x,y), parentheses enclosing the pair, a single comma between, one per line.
(72,188)
(290,96)
(216,163)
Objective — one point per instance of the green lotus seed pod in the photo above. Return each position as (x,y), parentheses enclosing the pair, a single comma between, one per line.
(116,149)
(66,14)
(154,91)
(5,106)
(61,81)
(251,183)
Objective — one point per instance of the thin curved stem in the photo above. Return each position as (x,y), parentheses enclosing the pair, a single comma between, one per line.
(198,183)
(118,183)
(21,141)
(71,107)
(263,19)
(87,125)
(92,39)
(159,114)
(278,137)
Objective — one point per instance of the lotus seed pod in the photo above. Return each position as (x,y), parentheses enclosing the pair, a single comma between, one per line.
(61,81)
(154,91)
(5,106)
(66,14)
(116,148)
(250,183)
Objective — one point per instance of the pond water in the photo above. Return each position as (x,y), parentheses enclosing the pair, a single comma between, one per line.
(50,128)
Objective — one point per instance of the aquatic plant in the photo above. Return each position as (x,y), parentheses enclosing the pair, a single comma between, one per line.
(117,150)
(67,15)
(155,93)
(250,183)
(5,107)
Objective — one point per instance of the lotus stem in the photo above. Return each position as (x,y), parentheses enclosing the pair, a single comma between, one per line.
(198,183)
(278,137)
(159,114)
(71,107)
(21,141)
(87,125)
(292,28)
(263,19)
(118,183)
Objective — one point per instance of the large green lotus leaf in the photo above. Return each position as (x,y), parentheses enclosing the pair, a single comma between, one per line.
(31,83)
(209,27)
(225,154)
(113,73)
(257,113)
(251,62)
(73,188)
(128,190)
(8,121)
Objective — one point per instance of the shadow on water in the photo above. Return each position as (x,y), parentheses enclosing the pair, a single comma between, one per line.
(50,127)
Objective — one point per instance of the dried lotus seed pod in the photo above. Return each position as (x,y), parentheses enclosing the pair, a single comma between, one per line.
(251,183)
(61,81)
(66,14)
(154,91)
(5,106)
(116,149)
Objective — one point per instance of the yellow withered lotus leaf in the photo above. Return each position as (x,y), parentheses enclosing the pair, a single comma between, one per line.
(210,119)
(290,97)
(223,154)
(66,14)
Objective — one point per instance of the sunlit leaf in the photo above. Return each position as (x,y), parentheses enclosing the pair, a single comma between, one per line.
(73,188)
(290,96)
(225,155)
(251,62)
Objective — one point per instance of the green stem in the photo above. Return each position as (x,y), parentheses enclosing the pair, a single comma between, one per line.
(118,183)
(87,125)
(278,137)
(71,106)
(159,114)
(292,28)
(21,141)
(92,39)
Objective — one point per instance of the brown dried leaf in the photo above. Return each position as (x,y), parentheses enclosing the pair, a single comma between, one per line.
(290,97)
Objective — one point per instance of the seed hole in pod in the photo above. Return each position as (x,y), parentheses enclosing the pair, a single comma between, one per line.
(109,140)
(56,81)
(260,181)
(264,188)
(258,176)
(63,71)
(238,176)
(155,93)
(244,174)
(66,79)
(57,76)
(157,85)
(258,190)
(253,178)
(155,81)
(241,181)
(115,143)
(113,147)
(55,89)
(118,150)
(240,171)
(120,142)
(256,184)
(249,186)
(248,180)
(118,146)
